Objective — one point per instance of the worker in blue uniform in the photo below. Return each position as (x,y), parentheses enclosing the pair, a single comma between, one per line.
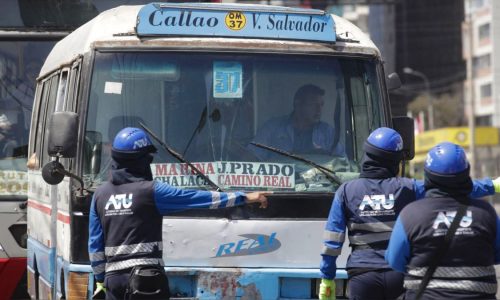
(125,227)
(466,270)
(368,207)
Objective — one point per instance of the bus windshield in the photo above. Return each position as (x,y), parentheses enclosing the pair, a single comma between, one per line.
(211,107)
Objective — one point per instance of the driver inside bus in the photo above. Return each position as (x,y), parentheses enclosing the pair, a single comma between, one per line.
(302,131)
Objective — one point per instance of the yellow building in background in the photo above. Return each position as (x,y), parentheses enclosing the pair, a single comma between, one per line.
(487,148)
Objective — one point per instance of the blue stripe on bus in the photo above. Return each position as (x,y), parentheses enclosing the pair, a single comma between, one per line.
(44,259)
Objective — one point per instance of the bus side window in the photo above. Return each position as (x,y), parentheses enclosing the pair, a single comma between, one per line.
(39,123)
(61,102)
(62,91)
(74,84)
(51,105)
(32,162)
(72,99)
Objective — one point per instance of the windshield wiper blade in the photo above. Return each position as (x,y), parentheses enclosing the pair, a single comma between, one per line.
(181,159)
(199,127)
(330,174)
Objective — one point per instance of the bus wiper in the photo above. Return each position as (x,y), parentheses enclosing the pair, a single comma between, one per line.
(197,130)
(214,116)
(330,174)
(181,159)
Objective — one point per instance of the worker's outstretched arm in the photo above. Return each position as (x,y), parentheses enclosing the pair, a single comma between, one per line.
(481,187)
(169,199)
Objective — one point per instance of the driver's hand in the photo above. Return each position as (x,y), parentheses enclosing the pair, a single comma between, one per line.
(259,197)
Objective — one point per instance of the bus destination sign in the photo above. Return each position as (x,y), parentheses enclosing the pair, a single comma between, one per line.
(156,20)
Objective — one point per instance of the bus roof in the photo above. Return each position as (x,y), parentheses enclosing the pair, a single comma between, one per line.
(119,25)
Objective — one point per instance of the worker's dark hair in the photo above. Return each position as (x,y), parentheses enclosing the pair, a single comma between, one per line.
(307,90)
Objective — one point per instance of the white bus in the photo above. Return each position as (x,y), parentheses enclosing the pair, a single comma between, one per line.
(208,80)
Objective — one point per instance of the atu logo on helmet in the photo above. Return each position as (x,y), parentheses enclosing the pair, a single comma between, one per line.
(399,145)
(429,160)
(141,143)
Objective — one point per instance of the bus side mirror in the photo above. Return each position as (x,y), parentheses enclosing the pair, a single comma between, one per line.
(393,82)
(63,134)
(52,172)
(405,127)
(62,141)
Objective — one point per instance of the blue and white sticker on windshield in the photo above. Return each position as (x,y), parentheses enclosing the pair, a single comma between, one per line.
(228,78)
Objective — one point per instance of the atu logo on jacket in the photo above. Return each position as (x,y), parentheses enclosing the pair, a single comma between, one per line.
(381,205)
(443,222)
(118,205)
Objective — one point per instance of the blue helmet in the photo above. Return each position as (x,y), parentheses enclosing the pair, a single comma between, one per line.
(385,143)
(446,158)
(386,139)
(131,142)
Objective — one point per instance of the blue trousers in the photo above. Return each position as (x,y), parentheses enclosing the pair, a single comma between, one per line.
(376,285)
(116,285)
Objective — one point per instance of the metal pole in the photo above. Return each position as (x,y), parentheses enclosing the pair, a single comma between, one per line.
(472,109)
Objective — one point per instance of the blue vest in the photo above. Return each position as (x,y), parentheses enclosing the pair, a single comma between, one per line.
(371,207)
(467,270)
(131,223)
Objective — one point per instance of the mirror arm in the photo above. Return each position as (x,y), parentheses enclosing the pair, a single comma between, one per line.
(69,174)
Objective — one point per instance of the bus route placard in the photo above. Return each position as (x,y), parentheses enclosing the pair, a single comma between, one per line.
(171,20)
